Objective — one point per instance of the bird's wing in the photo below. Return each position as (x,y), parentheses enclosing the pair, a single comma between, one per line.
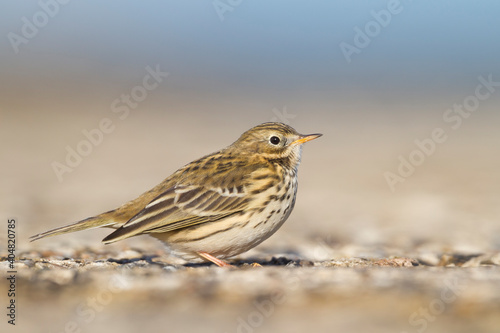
(181,207)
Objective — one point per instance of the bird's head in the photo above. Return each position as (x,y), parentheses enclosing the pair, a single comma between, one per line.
(273,141)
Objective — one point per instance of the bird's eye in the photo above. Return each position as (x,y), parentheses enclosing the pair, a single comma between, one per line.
(274,140)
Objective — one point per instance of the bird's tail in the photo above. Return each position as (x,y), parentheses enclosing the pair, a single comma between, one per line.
(102,220)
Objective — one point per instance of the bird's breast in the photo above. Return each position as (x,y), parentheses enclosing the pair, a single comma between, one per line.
(271,200)
(271,207)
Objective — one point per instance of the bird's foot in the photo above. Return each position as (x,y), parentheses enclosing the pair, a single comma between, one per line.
(218,262)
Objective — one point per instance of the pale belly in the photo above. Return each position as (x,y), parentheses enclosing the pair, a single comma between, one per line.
(235,234)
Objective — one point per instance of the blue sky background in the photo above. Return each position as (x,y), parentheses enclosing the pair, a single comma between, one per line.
(262,48)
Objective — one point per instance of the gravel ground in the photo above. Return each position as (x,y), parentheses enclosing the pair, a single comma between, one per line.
(124,289)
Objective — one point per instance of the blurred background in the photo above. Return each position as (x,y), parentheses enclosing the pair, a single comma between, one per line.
(66,67)
(373,77)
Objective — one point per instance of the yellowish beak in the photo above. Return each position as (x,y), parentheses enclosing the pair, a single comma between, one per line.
(306,138)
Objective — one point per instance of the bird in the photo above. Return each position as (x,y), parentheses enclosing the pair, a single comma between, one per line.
(218,206)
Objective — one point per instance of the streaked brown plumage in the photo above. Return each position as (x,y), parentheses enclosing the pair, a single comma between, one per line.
(218,206)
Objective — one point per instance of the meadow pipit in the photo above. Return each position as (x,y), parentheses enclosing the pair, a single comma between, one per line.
(218,206)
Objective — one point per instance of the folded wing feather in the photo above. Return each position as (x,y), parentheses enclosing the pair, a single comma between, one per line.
(182,207)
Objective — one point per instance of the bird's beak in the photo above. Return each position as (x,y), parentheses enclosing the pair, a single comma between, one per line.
(305,138)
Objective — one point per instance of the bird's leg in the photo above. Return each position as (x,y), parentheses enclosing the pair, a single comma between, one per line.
(209,257)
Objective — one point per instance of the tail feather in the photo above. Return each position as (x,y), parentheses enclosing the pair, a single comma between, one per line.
(103,220)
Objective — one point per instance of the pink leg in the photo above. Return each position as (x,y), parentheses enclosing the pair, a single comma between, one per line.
(209,257)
